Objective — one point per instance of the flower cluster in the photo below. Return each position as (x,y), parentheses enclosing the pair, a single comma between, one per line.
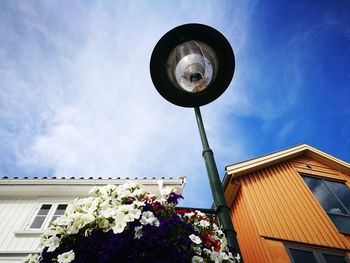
(127,224)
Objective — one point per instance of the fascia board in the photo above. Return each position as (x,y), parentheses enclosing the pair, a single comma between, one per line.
(76,187)
(264,161)
(248,166)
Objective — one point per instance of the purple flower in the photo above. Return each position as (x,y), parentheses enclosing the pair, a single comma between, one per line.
(173,198)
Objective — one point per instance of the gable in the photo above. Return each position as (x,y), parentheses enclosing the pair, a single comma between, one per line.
(246,167)
(308,165)
(301,158)
(303,164)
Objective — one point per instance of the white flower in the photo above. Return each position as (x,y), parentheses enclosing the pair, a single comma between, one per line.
(206,251)
(104,223)
(216,257)
(226,257)
(52,243)
(49,232)
(165,192)
(197,259)
(197,250)
(66,257)
(136,213)
(129,217)
(130,213)
(130,185)
(189,215)
(223,244)
(62,220)
(119,227)
(110,187)
(78,221)
(139,203)
(238,257)
(94,190)
(199,213)
(109,212)
(149,219)
(195,239)
(138,232)
(220,256)
(31,258)
(204,223)
(139,192)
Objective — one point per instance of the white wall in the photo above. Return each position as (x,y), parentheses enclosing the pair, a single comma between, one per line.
(12,259)
(14,214)
(15,238)
(20,198)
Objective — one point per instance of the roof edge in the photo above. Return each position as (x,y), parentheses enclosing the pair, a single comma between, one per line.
(102,181)
(59,188)
(254,164)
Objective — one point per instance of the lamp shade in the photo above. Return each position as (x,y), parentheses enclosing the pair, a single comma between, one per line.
(192,65)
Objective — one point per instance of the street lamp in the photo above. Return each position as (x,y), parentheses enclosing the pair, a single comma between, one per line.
(191,66)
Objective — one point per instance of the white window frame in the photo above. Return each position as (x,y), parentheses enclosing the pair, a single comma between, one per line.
(48,217)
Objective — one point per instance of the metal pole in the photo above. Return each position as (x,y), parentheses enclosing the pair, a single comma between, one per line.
(220,204)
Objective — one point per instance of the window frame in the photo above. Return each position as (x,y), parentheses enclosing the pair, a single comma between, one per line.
(48,217)
(316,251)
(325,181)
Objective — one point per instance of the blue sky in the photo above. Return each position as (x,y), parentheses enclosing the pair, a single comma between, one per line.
(76,98)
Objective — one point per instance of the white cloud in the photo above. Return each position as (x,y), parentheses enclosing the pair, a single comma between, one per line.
(80,84)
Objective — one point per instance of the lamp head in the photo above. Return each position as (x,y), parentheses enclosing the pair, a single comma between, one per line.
(192,65)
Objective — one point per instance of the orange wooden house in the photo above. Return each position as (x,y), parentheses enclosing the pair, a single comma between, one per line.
(291,206)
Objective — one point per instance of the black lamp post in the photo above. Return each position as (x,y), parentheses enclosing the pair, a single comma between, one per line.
(191,66)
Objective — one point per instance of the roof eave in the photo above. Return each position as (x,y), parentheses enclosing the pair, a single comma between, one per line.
(252,165)
(33,188)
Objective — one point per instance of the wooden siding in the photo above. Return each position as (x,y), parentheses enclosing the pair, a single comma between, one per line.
(307,165)
(277,251)
(252,245)
(14,214)
(275,204)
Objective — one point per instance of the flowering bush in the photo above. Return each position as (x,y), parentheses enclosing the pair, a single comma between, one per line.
(127,224)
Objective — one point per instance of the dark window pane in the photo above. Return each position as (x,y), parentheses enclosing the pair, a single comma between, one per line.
(329,203)
(302,256)
(44,210)
(334,258)
(38,222)
(341,191)
(60,209)
(341,222)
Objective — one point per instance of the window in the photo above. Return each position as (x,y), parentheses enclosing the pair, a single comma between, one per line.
(46,214)
(313,255)
(61,208)
(299,255)
(41,216)
(334,197)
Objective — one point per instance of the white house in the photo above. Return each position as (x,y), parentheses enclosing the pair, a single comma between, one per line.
(28,205)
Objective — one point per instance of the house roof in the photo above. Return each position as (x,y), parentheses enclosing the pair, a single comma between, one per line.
(251,165)
(76,178)
(76,187)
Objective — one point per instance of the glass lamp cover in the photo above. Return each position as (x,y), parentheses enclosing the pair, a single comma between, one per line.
(192,66)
